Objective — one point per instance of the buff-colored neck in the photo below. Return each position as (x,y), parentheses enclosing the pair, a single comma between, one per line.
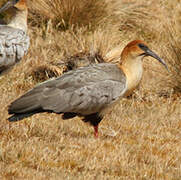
(19,20)
(133,69)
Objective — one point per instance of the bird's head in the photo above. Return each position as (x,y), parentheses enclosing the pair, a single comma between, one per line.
(137,50)
(18,4)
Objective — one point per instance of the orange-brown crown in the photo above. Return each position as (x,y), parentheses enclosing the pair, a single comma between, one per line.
(21,5)
(132,49)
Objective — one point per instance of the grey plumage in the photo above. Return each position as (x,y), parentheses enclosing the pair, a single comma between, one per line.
(14,44)
(84,91)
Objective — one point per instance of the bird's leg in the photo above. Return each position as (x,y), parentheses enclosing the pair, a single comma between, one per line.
(94,120)
(96,131)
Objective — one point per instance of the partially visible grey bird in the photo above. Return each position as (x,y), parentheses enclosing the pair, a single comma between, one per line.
(86,91)
(14,41)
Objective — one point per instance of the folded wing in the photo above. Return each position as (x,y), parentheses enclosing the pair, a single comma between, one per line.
(84,91)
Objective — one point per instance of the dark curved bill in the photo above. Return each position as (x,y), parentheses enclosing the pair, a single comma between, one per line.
(149,52)
(8,5)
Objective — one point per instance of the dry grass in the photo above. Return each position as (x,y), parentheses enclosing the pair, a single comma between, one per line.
(139,136)
(67,13)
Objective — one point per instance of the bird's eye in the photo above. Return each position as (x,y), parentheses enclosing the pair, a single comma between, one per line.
(143,47)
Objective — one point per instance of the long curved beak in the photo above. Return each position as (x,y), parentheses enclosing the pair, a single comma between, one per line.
(149,52)
(7,5)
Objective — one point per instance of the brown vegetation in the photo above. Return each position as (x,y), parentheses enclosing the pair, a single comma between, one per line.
(139,136)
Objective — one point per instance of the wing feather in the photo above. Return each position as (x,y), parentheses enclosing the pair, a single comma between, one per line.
(85,90)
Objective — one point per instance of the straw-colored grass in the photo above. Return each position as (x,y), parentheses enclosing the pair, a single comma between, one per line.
(139,136)
(66,13)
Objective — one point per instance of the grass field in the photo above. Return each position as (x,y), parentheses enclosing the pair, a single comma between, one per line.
(140,136)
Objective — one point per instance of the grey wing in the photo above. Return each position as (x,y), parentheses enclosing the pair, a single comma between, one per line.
(85,100)
(14,44)
(86,92)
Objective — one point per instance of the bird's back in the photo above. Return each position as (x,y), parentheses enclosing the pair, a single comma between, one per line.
(14,44)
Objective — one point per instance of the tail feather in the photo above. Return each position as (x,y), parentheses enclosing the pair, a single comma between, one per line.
(18,117)
(25,104)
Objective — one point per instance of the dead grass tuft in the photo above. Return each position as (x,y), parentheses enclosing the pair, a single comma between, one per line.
(174,59)
(45,72)
(66,13)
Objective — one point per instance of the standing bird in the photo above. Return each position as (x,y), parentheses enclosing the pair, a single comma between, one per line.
(86,91)
(14,41)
